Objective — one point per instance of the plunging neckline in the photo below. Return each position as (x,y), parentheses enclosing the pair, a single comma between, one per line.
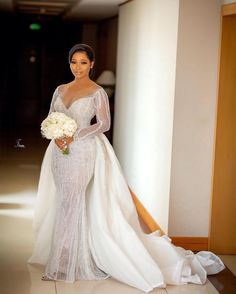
(82,97)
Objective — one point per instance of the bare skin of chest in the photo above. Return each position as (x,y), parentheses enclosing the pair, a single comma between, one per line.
(71,92)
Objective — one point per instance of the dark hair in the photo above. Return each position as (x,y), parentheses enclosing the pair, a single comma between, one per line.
(83,48)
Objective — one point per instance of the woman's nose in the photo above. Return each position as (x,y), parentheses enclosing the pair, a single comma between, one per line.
(77,66)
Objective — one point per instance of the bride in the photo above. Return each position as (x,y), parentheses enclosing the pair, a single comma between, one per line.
(85,223)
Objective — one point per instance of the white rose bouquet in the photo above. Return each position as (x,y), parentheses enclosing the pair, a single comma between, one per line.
(57,126)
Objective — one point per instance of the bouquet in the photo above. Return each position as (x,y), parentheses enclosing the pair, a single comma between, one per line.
(57,126)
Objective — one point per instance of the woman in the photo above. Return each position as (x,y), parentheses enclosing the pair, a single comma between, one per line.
(86,225)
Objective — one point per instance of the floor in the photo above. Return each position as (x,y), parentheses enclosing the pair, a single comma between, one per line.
(230,262)
(19,170)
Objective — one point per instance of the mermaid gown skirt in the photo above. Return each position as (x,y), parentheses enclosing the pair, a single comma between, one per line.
(70,258)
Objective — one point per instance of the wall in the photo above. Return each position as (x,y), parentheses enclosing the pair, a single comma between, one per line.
(149,85)
(194,117)
(107,31)
(228,1)
(144,100)
(89,36)
(102,36)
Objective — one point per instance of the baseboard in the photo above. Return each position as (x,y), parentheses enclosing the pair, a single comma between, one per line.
(191,243)
(145,215)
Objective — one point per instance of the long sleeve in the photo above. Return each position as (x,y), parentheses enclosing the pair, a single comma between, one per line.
(54,96)
(102,115)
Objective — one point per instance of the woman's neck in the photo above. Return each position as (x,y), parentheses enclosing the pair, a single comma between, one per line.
(82,82)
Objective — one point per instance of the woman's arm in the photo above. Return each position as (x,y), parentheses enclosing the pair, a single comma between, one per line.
(54,96)
(102,115)
(60,143)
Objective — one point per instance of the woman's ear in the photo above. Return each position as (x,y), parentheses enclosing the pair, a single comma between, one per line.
(92,64)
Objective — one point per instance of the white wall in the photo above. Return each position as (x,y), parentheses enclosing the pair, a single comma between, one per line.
(147,46)
(145,92)
(194,117)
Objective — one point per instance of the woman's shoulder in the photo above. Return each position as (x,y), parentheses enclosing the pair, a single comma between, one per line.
(95,86)
(62,87)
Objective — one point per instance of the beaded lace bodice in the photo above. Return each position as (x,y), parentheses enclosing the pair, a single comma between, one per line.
(83,109)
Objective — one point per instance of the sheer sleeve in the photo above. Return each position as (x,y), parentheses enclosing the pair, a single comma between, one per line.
(54,96)
(102,115)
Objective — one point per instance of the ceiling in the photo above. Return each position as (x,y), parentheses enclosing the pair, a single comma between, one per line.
(86,10)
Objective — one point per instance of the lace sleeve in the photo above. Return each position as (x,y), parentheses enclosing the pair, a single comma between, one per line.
(102,115)
(54,96)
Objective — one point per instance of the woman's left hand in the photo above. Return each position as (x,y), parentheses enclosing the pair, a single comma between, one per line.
(65,141)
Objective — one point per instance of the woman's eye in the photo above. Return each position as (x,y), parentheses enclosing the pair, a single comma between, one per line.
(82,62)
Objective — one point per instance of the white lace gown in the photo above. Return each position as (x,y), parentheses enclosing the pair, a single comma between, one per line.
(85,223)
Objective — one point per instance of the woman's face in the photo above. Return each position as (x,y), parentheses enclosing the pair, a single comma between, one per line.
(80,65)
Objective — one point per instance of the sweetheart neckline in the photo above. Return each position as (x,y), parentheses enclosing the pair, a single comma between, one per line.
(87,96)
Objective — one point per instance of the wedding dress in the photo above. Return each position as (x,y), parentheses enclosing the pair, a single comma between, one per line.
(86,224)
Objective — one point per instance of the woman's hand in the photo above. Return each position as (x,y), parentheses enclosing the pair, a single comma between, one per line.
(63,142)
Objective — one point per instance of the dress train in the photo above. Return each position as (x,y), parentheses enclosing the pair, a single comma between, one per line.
(118,245)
